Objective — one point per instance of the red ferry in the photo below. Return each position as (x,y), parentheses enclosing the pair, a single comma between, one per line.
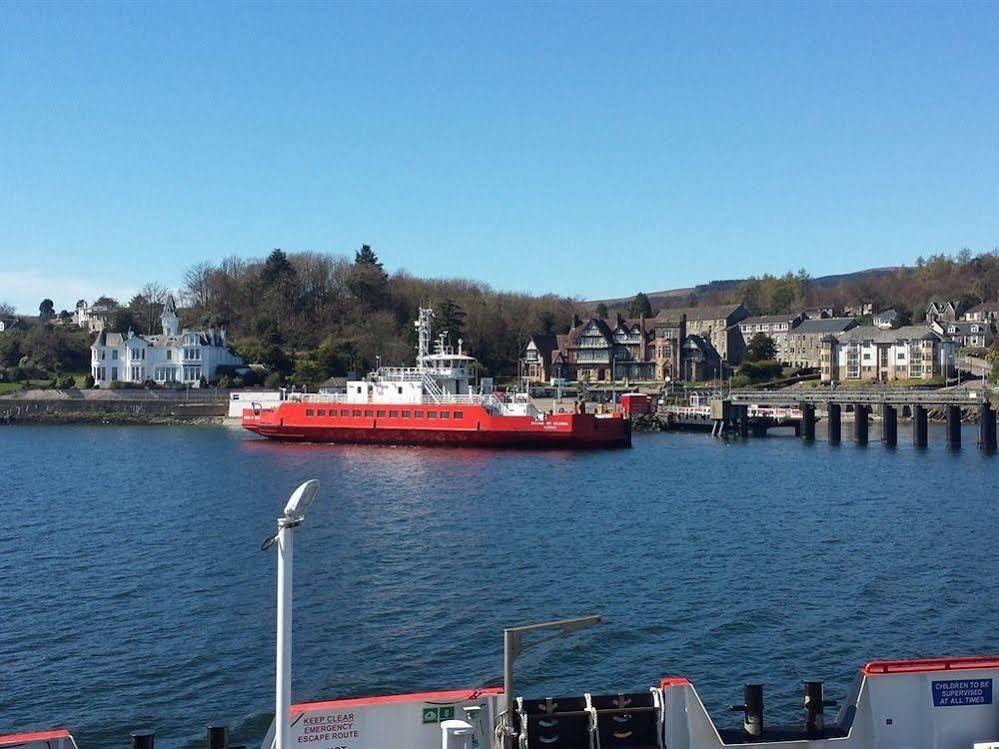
(433,403)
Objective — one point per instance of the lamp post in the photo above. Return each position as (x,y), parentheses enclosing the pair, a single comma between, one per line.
(294,514)
(513,646)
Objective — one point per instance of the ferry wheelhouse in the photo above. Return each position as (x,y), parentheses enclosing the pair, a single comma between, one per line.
(433,403)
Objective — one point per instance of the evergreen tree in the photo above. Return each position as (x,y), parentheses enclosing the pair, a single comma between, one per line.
(640,306)
(449,318)
(601,311)
(46,309)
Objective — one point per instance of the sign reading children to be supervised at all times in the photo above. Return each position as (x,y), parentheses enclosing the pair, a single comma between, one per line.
(962,692)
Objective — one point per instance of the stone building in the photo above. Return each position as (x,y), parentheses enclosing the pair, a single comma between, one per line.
(718,324)
(803,345)
(776,327)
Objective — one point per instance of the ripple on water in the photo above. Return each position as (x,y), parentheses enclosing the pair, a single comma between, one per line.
(142,597)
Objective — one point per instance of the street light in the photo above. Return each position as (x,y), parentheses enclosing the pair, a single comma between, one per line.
(294,514)
(513,646)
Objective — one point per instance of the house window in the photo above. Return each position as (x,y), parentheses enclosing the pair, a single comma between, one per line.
(114,354)
(169,354)
(114,373)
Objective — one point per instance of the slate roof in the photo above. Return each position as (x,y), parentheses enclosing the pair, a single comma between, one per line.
(821,326)
(710,312)
(879,335)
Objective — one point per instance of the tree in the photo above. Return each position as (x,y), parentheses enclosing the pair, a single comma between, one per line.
(121,320)
(367,256)
(368,281)
(46,309)
(640,306)
(761,347)
(106,301)
(449,318)
(601,311)
(6,309)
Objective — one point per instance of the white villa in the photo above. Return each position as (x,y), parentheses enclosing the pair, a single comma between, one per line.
(173,357)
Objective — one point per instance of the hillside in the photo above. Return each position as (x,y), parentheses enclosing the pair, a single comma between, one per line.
(727,287)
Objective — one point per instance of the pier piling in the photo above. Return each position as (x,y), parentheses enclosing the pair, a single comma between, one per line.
(808,422)
(143,739)
(835,416)
(889,425)
(987,428)
(860,423)
(953,427)
(218,737)
(919,426)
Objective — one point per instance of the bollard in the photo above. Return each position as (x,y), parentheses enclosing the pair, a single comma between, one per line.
(889,425)
(752,709)
(815,707)
(860,424)
(953,427)
(919,426)
(218,737)
(143,739)
(808,422)
(835,423)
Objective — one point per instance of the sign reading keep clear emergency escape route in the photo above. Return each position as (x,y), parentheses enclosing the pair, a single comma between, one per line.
(962,692)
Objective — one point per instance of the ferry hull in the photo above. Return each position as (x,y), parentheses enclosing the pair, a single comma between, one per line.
(475,428)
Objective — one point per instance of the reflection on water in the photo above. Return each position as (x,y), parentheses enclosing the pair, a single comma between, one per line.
(136,593)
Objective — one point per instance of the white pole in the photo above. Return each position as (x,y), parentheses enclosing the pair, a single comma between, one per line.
(282,686)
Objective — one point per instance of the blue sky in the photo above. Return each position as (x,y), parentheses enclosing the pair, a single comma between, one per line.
(587,149)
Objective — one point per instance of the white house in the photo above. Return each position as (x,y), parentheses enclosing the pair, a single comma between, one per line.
(912,352)
(91,317)
(174,357)
(966,334)
(886,319)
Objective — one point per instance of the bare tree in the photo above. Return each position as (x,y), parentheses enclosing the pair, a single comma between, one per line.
(6,309)
(197,284)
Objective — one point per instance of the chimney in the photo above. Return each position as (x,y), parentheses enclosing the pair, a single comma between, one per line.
(641,337)
(575,321)
(620,319)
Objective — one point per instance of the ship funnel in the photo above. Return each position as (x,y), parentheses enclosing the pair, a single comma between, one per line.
(815,707)
(752,710)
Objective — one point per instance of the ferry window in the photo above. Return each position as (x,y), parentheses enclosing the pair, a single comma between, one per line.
(367,413)
(345,412)
(357,413)
(419,414)
(321,412)
(407,414)
(358,388)
(309,412)
(380,414)
(400,390)
(393,414)
(459,414)
(445,414)
(431,414)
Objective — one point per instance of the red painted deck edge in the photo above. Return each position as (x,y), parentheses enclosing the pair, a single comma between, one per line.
(453,695)
(674,681)
(24,738)
(919,665)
